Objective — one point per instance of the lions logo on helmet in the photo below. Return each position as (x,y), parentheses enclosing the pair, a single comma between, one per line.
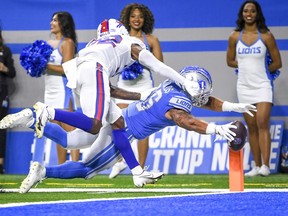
(111,27)
(203,78)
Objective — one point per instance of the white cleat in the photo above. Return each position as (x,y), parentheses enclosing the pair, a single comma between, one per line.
(147,178)
(42,117)
(24,118)
(36,175)
(117,169)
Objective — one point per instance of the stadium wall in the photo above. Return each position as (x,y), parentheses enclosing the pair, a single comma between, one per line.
(190,33)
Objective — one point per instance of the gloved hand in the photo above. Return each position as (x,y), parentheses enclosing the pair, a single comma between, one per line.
(222,130)
(239,107)
(146,93)
(191,87)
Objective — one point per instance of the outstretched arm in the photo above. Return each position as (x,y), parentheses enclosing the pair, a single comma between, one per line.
(219,105)
(148,60)
(187,121)
(123,94)
(214,104)
(127,95)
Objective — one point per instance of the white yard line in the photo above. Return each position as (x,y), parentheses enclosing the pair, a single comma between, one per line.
(195,192)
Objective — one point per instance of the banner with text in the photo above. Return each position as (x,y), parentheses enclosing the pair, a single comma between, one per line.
(175,150)
(172,150)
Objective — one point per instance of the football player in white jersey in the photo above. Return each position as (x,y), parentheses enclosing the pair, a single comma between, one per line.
(167,105)
(89,74)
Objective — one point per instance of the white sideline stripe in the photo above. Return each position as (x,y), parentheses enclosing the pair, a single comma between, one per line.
(203,193)
(113,190)
(137,190)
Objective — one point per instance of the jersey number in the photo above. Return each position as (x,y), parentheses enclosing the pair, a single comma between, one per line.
(113,40)
(150,100)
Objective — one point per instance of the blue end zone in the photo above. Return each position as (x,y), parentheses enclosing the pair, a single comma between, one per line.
(245,203)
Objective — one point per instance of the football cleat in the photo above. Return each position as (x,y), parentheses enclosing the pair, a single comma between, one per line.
(36,175)
(24,118)
(117,169)
(147,178)
(42,117)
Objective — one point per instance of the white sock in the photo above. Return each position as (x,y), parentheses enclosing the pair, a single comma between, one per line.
(51,112)
(31,122)
(43,173)
(137,170)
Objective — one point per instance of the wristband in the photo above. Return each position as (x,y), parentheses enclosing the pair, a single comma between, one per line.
(211,128)
(227,106)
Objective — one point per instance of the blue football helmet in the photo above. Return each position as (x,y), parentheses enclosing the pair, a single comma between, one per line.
(111,27)
(203,78)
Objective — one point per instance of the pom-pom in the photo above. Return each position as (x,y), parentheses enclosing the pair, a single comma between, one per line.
(284,158)
(132,72)
(34,58)
(275,74)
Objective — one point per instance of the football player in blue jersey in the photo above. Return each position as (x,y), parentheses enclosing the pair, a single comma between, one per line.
(89,76)
(167,105)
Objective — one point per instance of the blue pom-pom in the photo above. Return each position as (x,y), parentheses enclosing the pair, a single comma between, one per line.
(132,72)
(275,74)
(34,58)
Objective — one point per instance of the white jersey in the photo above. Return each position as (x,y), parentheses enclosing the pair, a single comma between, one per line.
(113,52)
(89,73)
(253,84)
(56,93)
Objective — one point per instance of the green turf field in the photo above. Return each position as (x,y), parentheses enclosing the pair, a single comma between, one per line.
(123,182)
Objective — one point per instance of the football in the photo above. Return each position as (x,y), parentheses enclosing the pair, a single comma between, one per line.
(240,139)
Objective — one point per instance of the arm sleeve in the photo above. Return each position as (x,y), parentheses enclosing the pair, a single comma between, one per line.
(148,60)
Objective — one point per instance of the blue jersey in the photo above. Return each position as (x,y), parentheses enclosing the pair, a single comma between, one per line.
(144,118)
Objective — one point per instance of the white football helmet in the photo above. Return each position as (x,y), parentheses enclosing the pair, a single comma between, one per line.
(203,78)
(111,27)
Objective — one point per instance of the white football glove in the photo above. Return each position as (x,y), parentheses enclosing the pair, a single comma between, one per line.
(222,130)
(191,87)
(239,107)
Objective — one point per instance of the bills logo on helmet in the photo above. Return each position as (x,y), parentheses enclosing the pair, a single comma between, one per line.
(104,27)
